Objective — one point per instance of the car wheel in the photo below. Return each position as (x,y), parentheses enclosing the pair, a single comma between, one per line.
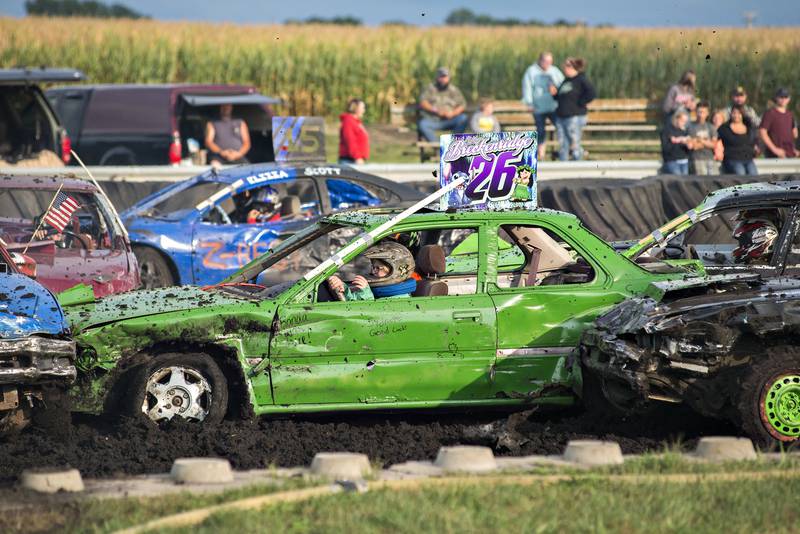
(153,268)
(769,402)
(189,387)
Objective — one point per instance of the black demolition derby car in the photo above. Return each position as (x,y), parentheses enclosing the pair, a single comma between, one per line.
(725,344)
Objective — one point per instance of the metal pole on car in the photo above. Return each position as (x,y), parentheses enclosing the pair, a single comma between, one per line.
(369,237)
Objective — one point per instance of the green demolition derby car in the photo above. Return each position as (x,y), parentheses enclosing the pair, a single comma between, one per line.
(501,303)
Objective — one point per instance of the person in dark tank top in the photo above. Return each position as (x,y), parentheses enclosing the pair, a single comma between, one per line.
(227,139)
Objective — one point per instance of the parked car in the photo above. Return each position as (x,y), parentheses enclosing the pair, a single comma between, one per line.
(29,128)
(477,332)
(36,352)
(194,232)
(153,124)
(92,249)
(725,344)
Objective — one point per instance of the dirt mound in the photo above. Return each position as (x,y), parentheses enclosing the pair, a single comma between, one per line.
(100,449)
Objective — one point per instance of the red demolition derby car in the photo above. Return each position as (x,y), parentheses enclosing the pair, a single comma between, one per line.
(69,229)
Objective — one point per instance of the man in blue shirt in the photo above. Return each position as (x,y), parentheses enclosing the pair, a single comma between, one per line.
(536,94)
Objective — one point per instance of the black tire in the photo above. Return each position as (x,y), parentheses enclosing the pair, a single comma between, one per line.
(153,268)
(192,365)
(782,364)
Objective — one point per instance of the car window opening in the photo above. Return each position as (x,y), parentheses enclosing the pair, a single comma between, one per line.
(535,256)
(89,227)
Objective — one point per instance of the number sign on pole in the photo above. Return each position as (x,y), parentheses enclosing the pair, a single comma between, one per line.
(499,170)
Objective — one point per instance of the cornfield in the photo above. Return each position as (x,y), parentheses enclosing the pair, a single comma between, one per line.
(316,69)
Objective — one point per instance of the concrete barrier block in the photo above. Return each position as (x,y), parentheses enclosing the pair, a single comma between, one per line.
(466,458)
(201,471)
(341,465)
(593,452)
(51,480)
(720,448)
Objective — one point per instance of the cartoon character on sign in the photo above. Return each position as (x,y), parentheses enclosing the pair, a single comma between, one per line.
(457,195)
(522,184)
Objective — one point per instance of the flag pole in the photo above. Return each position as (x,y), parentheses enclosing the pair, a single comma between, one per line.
(102,192)
(41,222)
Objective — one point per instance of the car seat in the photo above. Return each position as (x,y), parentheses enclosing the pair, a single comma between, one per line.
(290,207)
(430,264)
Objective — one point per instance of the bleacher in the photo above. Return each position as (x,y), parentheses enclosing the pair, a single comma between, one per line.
(623,126)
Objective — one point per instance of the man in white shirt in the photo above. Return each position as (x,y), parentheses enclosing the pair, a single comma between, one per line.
(536,94)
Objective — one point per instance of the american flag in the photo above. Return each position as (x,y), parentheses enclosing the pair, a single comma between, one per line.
(61,211)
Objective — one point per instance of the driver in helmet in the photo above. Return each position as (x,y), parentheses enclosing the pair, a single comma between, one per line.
(392,267)
(756,232)
(263,206)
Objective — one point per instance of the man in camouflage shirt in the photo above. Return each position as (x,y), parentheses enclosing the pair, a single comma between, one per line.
(441,107)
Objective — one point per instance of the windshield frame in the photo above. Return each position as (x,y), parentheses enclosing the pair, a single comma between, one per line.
(251,270)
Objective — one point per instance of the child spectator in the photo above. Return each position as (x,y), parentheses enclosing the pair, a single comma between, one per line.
(738,136)
(704,137)
(778,128)
(573,96)
(680,95)
(483,120)
(353,137)
(675,143)
(536,95)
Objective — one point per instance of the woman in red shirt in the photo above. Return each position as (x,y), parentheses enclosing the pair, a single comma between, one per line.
(353,137)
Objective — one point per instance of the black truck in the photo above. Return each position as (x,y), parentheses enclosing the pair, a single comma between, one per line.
(156,124)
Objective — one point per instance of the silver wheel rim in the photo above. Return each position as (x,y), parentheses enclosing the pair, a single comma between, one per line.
(176,391)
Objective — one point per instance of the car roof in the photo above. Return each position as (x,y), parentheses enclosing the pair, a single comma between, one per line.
(42,74)
(180,87)
(374,216)
(45,183)
(241,172)
(748,194)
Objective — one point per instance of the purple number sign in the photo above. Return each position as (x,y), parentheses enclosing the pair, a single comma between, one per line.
(494,177)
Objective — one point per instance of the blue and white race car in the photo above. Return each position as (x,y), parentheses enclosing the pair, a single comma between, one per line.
(203,229)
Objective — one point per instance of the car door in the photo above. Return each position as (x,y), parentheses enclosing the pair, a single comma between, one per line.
(540,317)
(221,245)
(409,352)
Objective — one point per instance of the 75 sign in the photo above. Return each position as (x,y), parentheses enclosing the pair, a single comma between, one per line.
(493,176)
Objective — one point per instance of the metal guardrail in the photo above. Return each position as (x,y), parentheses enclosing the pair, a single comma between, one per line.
(409,172)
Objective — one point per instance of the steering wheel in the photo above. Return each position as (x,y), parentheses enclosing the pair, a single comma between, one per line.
(63,243)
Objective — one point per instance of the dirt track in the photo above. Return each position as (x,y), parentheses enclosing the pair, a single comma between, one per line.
(100,449)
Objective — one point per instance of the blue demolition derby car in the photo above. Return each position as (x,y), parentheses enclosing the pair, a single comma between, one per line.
(203,229)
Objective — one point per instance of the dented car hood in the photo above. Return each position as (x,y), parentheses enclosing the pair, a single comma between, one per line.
(146,303)
(651,313)
(28,308)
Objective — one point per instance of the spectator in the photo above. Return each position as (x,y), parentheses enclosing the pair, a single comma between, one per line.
(717,120)
(704,137)
(353,137)
(778,128)
(227,139)
(738,136)
(574,93)
(739,98)
(675,143)
(536,95)
(441,107)
(483,120)
(680,95)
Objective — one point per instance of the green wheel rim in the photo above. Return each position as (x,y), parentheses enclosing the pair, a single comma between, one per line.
(782,405)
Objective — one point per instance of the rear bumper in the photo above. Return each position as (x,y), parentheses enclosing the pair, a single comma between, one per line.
(35,359)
